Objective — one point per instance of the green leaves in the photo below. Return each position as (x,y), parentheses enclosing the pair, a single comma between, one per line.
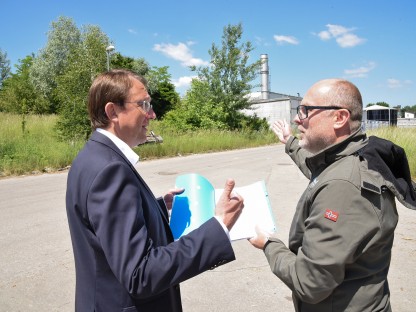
(228,77)
(4,67)
(218,95)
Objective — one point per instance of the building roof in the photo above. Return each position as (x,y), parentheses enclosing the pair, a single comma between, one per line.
(256,97)
(378,107)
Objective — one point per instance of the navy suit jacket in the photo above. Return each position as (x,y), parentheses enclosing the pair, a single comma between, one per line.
(125,255)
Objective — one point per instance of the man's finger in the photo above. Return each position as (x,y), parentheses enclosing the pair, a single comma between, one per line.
(229,185)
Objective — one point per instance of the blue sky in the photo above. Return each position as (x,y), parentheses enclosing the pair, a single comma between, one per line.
(369,42)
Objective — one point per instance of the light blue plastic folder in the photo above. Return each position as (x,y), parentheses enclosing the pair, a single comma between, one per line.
(196,205)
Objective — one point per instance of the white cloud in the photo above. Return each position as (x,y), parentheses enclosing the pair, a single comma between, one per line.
(360,72)
(132,31)
(349,41)
(183,82)
(325,35)
(338,30)
(285,39)
(190,43)
(396,83)
(342,35)
(259,41)
(180,52)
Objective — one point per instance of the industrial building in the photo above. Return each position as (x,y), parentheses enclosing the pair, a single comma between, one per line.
(271,105)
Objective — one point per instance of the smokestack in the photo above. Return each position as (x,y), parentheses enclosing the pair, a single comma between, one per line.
(264,72)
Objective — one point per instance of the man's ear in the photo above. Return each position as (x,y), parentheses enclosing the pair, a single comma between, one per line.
(342,117)
(111,111)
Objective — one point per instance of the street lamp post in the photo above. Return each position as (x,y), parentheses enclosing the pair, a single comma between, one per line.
(108,50)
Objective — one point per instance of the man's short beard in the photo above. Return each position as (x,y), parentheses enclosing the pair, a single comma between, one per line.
(318,145)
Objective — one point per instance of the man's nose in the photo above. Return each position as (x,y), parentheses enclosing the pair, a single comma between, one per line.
(296,120)
(151,114)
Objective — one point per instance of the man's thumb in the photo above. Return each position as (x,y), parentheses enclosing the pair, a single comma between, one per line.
(229,185)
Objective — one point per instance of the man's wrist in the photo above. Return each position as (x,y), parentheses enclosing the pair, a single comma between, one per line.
(268,241)
(223,226)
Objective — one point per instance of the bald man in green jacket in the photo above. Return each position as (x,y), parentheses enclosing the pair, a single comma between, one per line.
(342,232)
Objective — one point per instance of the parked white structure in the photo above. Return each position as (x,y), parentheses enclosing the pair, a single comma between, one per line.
(409,115)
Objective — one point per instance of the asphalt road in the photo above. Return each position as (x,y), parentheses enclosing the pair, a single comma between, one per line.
(36,261)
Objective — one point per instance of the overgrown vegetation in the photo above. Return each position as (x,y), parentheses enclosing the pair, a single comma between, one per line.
(43,103)
(57,80)
(30,145)
(37,148)
(219,94)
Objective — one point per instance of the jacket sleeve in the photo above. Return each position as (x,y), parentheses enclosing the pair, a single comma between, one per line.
(124,230)
(318,266)
(298,155)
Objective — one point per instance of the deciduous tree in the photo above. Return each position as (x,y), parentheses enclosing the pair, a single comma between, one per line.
(162,91)
(18,94)
(83,64)
(4,67)
(229,75)
(64,38)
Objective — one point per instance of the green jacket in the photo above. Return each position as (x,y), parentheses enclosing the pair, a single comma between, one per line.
(342,232)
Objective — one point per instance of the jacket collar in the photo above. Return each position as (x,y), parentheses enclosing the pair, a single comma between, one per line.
(102,139)
(351,145)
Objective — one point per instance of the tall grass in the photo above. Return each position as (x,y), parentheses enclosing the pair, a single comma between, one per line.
(203,141)
(30,145)
(404,137)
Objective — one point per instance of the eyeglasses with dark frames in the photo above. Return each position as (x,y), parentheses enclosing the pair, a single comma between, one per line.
(302,110)
(144,105)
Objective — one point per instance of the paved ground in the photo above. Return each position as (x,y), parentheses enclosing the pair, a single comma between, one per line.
(36,262)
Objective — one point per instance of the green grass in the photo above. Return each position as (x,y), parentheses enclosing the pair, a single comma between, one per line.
(179,143)
(403,137)
(36,149)
(33,150)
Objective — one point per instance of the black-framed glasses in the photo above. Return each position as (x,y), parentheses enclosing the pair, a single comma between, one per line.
(302,110)
(144,105)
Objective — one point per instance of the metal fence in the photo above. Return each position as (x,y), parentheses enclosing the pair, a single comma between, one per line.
(373,124)
(401,123)
(406,122)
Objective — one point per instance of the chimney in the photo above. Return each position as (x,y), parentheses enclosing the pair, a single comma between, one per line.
(264,73)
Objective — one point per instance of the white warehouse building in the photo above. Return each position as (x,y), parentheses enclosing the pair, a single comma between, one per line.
(271,105)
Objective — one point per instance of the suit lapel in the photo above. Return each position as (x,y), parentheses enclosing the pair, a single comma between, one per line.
(102,139)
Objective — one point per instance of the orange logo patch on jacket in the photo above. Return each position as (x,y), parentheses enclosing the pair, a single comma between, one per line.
(331,215)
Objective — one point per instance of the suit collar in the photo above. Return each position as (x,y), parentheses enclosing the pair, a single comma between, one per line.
(121,145)
(102,139)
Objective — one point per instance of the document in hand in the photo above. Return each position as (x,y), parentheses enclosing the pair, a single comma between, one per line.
(197,204)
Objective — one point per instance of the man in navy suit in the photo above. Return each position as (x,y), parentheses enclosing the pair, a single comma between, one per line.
(125,255)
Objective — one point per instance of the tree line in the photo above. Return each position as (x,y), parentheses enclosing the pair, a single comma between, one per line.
(57,80)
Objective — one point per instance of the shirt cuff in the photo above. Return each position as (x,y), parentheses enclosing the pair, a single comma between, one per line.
(268,241)
(223,226)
